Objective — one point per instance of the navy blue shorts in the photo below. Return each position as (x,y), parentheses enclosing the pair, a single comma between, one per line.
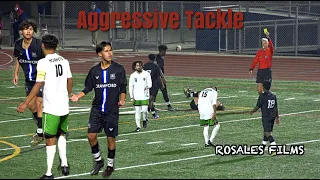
(99,120)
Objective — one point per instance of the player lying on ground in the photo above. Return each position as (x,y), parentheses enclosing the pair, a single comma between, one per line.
(194,103)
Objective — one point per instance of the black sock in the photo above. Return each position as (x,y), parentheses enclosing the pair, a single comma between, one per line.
(169,105)
(96,152)
(111,155)
(271,139)
(39,130)
(35,117)
(265,138)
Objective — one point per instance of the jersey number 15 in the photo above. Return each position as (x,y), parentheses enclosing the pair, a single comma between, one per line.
(59,70)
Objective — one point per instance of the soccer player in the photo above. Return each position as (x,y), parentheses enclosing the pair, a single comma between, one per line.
(269,108)
(160,61)
(108,79)
(157,79)
(207,106)
(28,52)
(139,85)
(264,58)
(194,102)
(53,72)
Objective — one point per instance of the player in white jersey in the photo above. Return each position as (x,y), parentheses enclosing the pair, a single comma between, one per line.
(53,72)
(207,106)
(139,85)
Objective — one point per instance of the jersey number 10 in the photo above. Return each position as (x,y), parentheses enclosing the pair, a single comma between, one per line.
(271,104)
(59,70)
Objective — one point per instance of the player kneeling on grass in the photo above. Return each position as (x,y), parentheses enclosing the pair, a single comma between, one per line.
(194,103)
(139,85)
(53,72)
(207,106)
(269,109)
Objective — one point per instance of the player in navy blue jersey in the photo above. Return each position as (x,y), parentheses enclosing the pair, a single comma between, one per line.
(27,52)
(269,108)
(108,79)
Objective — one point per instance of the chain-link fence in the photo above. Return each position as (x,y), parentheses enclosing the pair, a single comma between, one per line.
(294,26)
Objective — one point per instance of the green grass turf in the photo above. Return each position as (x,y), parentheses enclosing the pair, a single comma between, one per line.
(136,158)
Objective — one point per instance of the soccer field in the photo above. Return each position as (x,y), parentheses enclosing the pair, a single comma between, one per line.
(173,145)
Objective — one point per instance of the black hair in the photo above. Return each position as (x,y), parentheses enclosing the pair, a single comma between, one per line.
(28,23)
(50,42)
(162,48)
(152,57)
(267,85)
(135,63)
(101,45)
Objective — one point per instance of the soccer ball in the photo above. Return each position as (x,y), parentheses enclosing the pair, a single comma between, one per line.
(178,48)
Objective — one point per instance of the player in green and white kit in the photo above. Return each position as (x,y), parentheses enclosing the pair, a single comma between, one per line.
(139,85)
(53,72)
(207,106)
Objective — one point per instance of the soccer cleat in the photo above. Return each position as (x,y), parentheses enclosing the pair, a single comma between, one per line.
(47,177)
(107,172)
(64,169)
(209,144)
(97,166)
(145,124)
(155,116)
(36,139)
(186,92)
(170,108)
(220,108)
(138,129)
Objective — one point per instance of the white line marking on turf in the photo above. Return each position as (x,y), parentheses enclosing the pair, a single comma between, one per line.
(243,91)
(193,125)
(24,119)
(87,110)
(289,99)
(11,58)
(189,144)
(156,142)
(316,100)
(11,98)
(170,161)
(71,140)
(176,94)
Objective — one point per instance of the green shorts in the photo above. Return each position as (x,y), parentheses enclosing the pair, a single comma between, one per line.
(51,124)
(209,122)
(141,102)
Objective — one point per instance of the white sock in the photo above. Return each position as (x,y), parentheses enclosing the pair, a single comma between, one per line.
(264,142)
(206,134)
(51,151)
(215,131)
(273,143)
(62,146)
(138,115)
(110,162)
(144,112)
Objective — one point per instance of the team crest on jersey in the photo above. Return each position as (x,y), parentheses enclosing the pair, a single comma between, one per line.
(97,77)
(144,79)
(34,55)
(135,79)
(112,76)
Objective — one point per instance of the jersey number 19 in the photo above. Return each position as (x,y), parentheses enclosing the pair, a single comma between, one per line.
(59,70)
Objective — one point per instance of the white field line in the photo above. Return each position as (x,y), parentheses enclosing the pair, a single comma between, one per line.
(85,110)
(172,161)
(187,126)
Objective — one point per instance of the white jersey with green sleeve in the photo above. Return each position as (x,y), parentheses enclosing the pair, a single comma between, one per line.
(207,98)
(54,70)
(139,85)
